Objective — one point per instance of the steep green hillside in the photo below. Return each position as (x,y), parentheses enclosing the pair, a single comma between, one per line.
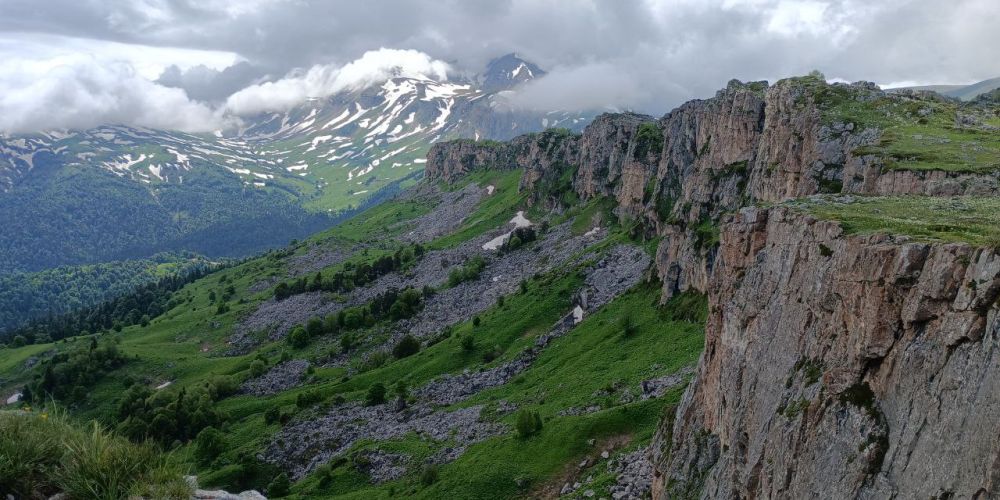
(93,216)
(62,290)
(505,391)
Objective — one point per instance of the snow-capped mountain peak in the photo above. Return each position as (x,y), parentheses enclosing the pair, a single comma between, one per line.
(342,147)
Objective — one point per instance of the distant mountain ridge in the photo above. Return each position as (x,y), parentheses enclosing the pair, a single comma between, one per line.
(963,92)
(278,175)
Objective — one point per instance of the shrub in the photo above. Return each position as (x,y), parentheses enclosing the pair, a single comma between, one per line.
(209,444)
(376,394)
(220,386)
(401,390)
(306,399)
(429,475)
(468,272)
(648,139)
(407,303)
(468,343)
(346,341)
(66,375)
(407,346)
(280,486)
(167,416)
(298,338)
(476,322)
(628,326)
(257,368)
(271,415)
(528,423)
(374,360)
(314,327)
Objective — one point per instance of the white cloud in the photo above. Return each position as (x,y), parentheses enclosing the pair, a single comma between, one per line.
(79,92)
(591,86)
(375,66)
(148,61)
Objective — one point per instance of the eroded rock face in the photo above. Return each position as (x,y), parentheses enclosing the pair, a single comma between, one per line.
(750,143)
(840,367)
(834,366)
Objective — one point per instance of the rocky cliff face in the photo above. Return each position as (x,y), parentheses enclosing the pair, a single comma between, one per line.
(750,143)
(841,367)
(834,366)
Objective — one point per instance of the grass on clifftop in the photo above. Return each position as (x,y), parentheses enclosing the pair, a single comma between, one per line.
(917,133)
(972,220)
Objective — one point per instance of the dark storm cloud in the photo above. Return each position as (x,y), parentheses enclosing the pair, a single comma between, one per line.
(646,55)
(209,84)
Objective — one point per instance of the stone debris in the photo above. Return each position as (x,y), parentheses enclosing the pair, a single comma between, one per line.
(502,276)
(277,317)
(318,258)
(575,411)
(657,387)
(447,216)
(302,446)
(625,262)
(281,377)
(634,475)
(381,466)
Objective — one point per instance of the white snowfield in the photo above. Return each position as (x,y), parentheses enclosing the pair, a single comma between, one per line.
(518,221)
(14,398)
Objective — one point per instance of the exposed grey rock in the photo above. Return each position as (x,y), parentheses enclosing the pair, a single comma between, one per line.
(262,285)
(657,387)
(280,378)
(900,338)
(381,466)
(447,454)
(502,276)
(200,494)
(276,318)
(613,275)
(302,446)
(225,495)
(574,411)
(318,258)
(447,216)
(633,475)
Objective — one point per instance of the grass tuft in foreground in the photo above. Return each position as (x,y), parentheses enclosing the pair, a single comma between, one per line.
(42,454)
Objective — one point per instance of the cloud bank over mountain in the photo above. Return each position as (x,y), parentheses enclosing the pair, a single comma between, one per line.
(323,80)
(648,56)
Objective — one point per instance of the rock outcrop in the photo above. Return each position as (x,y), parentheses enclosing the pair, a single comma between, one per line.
(840,367)
(677,175)
(835,366)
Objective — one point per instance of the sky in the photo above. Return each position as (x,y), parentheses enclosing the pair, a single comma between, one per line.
(198,65)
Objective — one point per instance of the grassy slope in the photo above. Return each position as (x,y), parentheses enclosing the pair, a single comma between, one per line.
(179,347)
(590,358)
